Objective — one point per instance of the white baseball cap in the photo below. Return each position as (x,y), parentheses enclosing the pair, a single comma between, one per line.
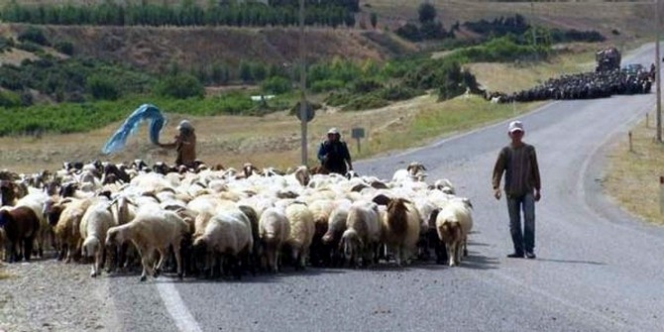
(515,126)
(185,124)
(333,131)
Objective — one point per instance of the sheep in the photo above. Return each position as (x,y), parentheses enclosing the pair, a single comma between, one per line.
(21,226)
(274,230)
(413,172)
(301,232)
(401,225)
(336,228)
(362,235)
(67,230)
(37,202)
(227,233)
(321,210)
(3,242)
(453,223)
(152,230)
(95,222)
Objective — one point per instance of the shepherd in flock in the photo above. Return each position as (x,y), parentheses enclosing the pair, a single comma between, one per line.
(184,144)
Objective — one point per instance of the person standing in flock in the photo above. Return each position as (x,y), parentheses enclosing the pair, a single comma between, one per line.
(185,144)
(518,161)
(333,153)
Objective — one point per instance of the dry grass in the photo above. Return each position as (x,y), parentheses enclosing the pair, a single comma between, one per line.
(631,18)
(632,178)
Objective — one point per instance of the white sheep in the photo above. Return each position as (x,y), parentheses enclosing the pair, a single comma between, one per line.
(362,235)
(301,232)
(453,223)
(274,231)
(227,233)
(95,223)
(152,230)
(414,171)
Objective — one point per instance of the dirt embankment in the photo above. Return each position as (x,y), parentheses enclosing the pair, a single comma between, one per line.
(156,48)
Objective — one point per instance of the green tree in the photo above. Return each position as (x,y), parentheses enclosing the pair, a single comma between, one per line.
(101,87)
(426,12)
(374,20)
(180,86)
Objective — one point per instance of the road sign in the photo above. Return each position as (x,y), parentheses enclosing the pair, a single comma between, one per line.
(309,111)
(357,132)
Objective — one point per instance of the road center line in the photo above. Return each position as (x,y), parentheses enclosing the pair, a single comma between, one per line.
(183,319)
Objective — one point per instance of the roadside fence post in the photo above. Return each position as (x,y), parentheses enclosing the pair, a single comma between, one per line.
(661,195)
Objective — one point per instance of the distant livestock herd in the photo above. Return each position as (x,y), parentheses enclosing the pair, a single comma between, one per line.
(212,221)
(588,85)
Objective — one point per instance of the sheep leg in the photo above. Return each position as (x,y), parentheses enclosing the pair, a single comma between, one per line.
(296,259)
(178,260)
(451,253)
(27,248)
(160,262)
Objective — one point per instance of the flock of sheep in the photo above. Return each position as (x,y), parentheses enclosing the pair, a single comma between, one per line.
(213,221)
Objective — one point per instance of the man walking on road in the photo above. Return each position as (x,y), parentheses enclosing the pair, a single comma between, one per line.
(333,153)
(518,161)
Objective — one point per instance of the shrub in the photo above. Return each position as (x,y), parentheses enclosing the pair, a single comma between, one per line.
(338,98)
(65,48)
(180,86)
(398,92)
(366,86)
(365,102)
(34,35)
(276,85)
(29,47)
(101,87)
(9,99)
(6,43)
(327,85)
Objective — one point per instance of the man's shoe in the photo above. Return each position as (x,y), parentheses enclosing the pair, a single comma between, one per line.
(530,255)
(515,255)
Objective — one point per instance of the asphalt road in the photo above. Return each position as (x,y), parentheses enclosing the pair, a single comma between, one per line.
(598,269)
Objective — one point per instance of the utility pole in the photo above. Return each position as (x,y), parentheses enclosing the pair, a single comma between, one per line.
(658,62)
(532,27)
(303,85)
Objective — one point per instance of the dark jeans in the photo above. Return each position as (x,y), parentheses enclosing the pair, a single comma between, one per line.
(526,239)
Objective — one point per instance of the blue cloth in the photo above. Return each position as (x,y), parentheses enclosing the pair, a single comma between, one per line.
(146,112)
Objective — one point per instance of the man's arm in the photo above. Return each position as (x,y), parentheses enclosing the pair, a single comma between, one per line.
(535,171)
(347,152)
(498,169)
(321,152)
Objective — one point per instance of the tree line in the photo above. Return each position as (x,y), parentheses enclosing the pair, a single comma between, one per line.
(334,13)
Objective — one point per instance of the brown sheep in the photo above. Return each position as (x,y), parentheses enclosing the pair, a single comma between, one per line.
(67,230)
(401,227)
(21,226)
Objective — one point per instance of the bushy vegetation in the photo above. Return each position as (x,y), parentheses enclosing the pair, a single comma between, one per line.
(518,26)
(72,79)
(81,117)
(429,27)
(180,86)
(188,13)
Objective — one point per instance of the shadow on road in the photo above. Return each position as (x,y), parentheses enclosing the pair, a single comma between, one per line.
(479,262)
(569,261)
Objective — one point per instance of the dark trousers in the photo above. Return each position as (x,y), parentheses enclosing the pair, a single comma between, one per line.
(526,239)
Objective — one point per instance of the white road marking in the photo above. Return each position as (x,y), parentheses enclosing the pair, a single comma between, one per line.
(183,319)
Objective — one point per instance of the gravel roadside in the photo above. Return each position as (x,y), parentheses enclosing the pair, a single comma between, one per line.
(48,295)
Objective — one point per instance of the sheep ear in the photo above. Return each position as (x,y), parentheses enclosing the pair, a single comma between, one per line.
(423,168)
